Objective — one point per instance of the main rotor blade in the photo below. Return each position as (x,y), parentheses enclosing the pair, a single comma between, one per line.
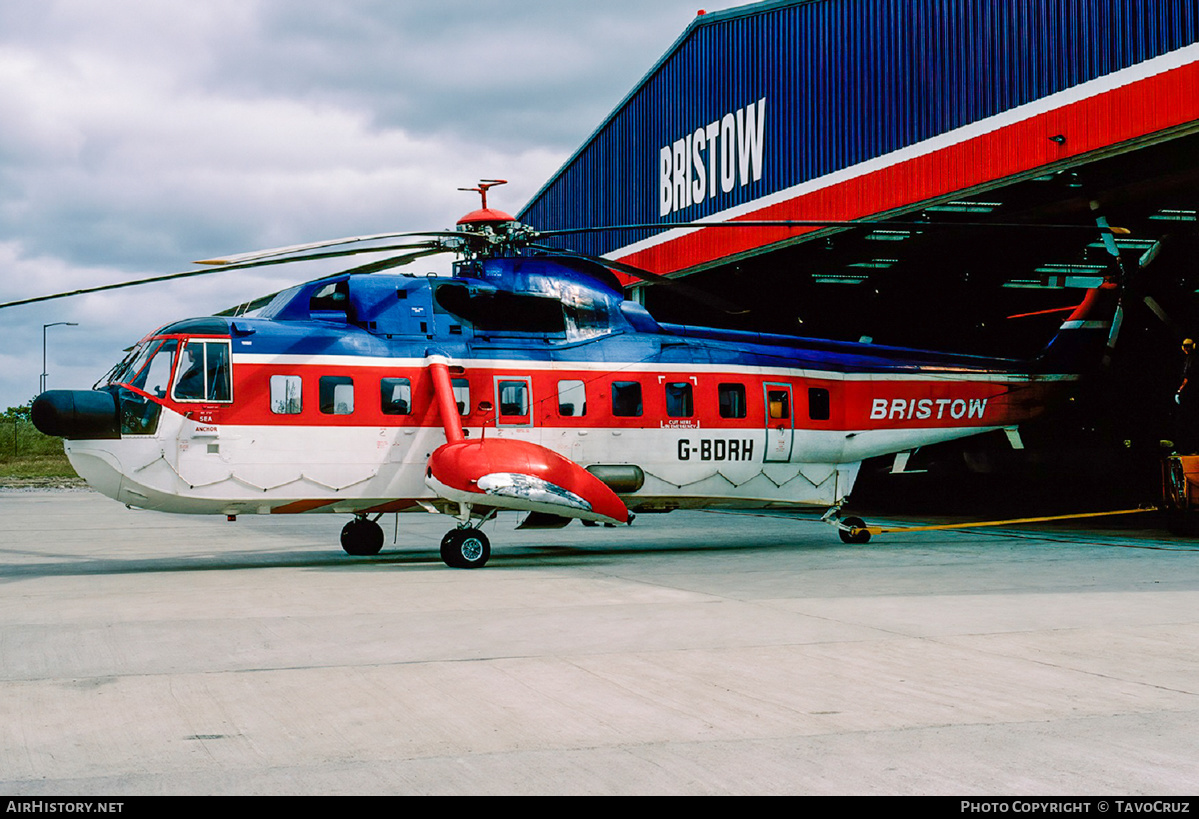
(118,285)
(254,255)
(262,301)
(682,289)
(394,261)
(1156,308)
(432,247)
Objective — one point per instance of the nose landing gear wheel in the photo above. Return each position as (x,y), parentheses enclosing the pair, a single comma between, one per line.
(465,549)
(362,538)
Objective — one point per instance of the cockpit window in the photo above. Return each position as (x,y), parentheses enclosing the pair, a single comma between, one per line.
(155,377)
(139,415)
(203,373)
(148,368)
(131,364)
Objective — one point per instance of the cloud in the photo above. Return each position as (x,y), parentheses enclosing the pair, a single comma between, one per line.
(138,135)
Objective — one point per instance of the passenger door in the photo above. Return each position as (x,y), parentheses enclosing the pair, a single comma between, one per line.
(779,419)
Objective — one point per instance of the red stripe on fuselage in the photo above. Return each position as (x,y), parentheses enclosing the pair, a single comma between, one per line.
(941,399)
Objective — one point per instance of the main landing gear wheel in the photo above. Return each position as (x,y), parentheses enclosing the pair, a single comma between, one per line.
(465,549)
(860,536)
(362,538)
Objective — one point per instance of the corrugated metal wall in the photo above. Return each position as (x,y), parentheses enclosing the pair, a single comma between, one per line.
(843,81)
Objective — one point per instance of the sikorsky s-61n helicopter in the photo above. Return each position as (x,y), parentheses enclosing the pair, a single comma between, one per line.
(524,381)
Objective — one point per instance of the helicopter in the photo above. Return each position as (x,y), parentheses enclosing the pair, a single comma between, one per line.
(524,381)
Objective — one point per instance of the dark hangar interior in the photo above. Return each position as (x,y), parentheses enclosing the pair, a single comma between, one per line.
(954,274)
(1000,292)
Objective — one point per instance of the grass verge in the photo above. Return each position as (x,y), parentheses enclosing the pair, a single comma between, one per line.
(27,455)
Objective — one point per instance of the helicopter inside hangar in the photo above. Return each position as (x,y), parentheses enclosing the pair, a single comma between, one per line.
(951,275)
(950,121)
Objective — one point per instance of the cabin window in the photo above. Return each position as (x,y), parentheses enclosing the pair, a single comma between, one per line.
(818,404)
(513,399)
(626,398)
(286,396)
(203,372)
(572,399)
(779,404)
(396,396)
(679,401)
(337,394)
(732,400)
(461,394)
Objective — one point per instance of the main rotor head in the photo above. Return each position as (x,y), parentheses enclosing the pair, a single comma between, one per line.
(485,216)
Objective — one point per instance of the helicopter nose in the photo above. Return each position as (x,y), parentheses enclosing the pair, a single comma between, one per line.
(77,414)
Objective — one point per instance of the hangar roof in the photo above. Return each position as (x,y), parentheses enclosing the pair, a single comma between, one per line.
(885,108)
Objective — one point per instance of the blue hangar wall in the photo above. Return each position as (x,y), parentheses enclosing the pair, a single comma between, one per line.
(841,109)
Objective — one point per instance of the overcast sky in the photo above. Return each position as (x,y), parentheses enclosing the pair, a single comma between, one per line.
(139,135)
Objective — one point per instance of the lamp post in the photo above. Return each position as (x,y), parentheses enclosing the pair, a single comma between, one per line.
(42,382)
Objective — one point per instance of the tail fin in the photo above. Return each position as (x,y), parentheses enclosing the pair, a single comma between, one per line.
(1085,338)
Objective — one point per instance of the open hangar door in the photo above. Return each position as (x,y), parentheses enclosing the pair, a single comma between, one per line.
(935,114)
(966,284)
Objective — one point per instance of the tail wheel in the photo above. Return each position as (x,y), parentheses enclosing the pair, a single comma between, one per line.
(465,549)
(862,535)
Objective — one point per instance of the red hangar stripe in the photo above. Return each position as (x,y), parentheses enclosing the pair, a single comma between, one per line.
(1143,99)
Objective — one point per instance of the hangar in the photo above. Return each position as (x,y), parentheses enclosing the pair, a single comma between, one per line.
(955,120)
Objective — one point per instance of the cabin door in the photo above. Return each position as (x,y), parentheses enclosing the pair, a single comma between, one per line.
(779,421)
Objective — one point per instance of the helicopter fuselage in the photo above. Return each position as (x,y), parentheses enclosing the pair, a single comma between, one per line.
(328,401)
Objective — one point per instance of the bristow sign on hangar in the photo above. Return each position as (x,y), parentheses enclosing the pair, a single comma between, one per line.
(728,149)
(875,106)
